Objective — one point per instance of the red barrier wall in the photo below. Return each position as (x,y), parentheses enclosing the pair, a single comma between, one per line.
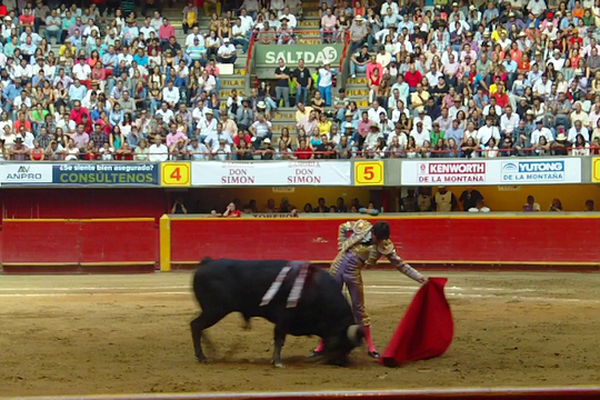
(82,203)
(542,240)
(87,245)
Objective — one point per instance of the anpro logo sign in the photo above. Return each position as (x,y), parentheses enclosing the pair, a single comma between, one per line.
(25,173)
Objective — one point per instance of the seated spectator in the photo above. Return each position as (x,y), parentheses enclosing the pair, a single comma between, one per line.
(227,52)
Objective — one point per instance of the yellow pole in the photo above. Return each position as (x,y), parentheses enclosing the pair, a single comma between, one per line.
(165,243)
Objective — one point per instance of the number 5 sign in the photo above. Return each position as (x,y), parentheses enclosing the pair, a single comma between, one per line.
(175,174)
(368,173)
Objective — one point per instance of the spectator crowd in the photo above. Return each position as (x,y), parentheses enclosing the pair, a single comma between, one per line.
(512,78)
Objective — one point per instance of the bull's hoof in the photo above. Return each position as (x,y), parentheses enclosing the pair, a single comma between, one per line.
(373,354)
(278,364)
(202,359)
(315,353)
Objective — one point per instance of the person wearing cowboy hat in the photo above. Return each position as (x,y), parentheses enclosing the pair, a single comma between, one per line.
(560,145)
(358,33)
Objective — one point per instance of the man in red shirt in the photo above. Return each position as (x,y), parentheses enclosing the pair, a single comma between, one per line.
(304,152)
(500,95)
(412,77)
(372,66)
(78,111)
(26,19)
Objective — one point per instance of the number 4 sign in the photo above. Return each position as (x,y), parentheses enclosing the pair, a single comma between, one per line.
(175,174)
(368,173)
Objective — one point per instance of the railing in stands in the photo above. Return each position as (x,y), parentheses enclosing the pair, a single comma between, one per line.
(352,153)
(344,53)
(250,48)
(581,393)
(327,37)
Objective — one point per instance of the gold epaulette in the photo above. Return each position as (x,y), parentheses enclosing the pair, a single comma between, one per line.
(361,227)
(386,247)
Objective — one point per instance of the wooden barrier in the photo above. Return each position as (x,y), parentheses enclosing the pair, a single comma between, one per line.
(80,245)
(541,240)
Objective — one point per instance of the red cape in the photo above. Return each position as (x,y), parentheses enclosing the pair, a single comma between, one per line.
(426,330)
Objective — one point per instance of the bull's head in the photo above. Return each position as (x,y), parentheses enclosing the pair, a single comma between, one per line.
(337,347)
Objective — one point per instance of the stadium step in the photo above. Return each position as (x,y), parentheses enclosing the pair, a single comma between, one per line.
(357,81)
(357,92)
(309,23)
(224,94)
(233,83)
(284,115)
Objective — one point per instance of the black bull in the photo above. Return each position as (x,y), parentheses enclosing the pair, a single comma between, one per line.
(224,286)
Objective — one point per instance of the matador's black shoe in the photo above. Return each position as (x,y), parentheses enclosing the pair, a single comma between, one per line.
(315,353)
(373,354)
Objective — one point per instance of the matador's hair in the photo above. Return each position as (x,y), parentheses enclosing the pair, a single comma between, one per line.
(381,230)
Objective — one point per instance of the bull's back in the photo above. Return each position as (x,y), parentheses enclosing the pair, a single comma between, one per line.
(234,284)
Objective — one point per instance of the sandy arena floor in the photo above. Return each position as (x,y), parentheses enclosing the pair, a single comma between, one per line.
(125,334)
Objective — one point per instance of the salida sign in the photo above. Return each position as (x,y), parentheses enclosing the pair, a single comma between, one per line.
(451,172)
(273,173)
(311,54)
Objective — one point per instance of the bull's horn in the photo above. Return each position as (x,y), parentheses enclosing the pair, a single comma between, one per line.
(353,336)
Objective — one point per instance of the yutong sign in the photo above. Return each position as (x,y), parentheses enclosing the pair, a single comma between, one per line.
(500,171)
(291,54)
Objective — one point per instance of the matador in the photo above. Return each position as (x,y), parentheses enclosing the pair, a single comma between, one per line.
(362,244)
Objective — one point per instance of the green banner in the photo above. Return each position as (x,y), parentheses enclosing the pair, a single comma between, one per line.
(311,53)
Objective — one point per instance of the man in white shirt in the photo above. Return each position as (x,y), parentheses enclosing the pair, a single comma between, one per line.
(189,40)
(580,115)
(496,107)
(537,7)
(226,53)
(171,95)
(425,119)
(557,61)
(486,132)
(292,22)
(374,111)
(578,129)
(247,21)
(240,35)
(541,131)
(509,121)
(82,71)
(389,4)
(147,29)
(420,134)
(542,87)
(433,75)
(165,113)
(207,126)
(479,207)
(158,151)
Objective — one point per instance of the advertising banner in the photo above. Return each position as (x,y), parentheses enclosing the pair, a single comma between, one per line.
(272,173)
(501,171)
(25,174)
(113,174)
(311,54)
